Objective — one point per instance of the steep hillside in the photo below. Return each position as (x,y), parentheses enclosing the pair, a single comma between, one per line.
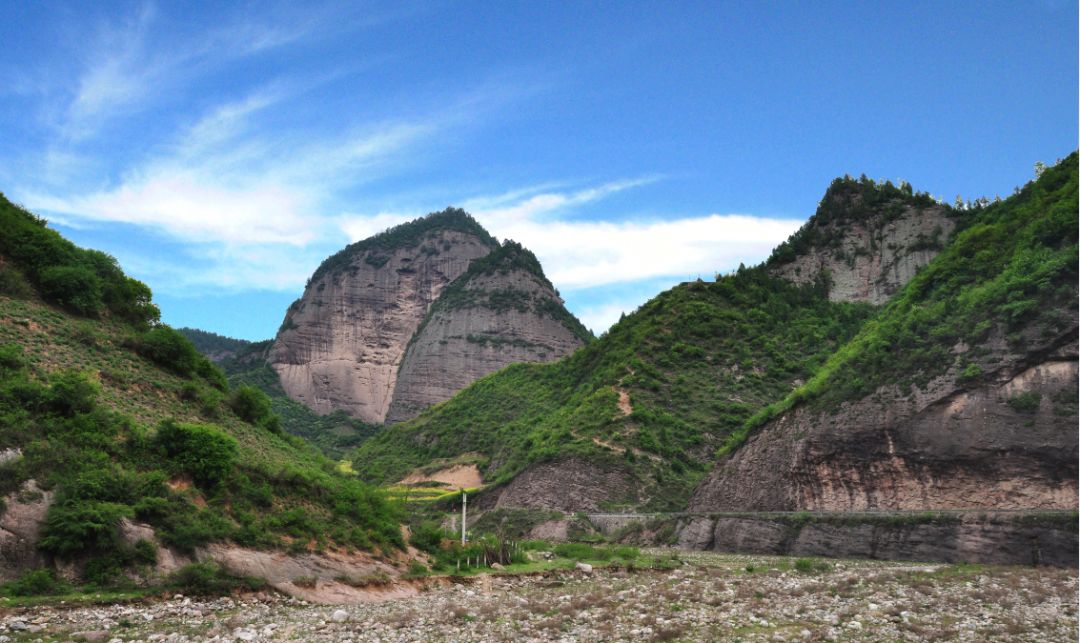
(124,453)
(869,238)
(633,418)
(961,393)
(502,310)
(341,343)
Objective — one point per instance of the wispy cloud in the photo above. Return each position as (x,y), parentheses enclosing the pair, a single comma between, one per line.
(135,63)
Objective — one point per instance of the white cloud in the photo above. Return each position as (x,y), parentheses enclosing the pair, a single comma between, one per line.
(583,254)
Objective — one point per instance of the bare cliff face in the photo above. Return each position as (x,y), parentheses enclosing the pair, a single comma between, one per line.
(502,311)
(405,319)
(868,243)
(342,342)
(951,445)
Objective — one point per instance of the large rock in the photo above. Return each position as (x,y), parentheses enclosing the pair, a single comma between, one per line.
(950,445)
(341,343)
(502,311)
(868,252)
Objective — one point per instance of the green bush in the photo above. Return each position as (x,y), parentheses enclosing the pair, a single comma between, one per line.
(36,582)
(582,551)
(209,579)
(76,288)
(83,527)
(166,347)
(72,392)
(252,405)
(13,283)
(1025,402)
(202,451)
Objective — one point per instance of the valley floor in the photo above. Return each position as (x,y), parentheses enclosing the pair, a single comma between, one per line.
(703,597)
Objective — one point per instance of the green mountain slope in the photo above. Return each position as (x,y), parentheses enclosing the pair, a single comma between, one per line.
(1012,267)
(652,399)
(961,393)
(114,417)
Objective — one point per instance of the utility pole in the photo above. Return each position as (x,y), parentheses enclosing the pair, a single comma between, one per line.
(464,502)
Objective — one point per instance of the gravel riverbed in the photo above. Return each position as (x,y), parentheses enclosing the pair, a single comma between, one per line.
(704,597)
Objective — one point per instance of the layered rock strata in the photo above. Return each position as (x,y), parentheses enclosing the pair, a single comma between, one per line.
(497,314)
(950,444)
(341,343)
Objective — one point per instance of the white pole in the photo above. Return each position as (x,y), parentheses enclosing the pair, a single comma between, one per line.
(464,502)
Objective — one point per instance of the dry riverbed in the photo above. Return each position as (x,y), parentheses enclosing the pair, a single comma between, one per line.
(704,597)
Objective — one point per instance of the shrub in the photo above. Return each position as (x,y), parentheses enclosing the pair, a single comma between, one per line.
(810,566)
(80,527)
(76,288)
(1025,402)
(72,392)
(168,348)
(36,582)
(252,405)
(209,579)
(428,537)
(13,283)
(201,450)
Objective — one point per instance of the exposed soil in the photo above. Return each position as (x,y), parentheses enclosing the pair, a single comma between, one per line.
(461,476)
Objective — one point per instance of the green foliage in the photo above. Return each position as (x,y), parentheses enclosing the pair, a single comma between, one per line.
(76,288)
(86,282)
(82,527)
(252,405)
(209,343)
(334,434)
(209,579)
(71,393)
(1027,402)
(36,582)
(811,566)
(170,349)
(202,451)
(695,363)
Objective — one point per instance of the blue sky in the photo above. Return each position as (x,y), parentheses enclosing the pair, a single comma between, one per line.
(221,151)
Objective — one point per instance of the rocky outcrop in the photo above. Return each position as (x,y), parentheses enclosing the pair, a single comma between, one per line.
(375,336)
(20,528)
(998,539)
(868,252)
(502,311)
(568,485)
(1007,440)
(341,343)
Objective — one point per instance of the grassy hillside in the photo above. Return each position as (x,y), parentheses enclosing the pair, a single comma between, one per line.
(122,418)
(656,395)
(1011,270)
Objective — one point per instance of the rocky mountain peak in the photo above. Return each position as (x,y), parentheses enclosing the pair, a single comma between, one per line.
(342,343)
(866,238)
(502,310)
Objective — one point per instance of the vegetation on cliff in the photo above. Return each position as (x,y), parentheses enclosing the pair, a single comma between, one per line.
(1009,272)
(405,234)
(509,257)
(848,201)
